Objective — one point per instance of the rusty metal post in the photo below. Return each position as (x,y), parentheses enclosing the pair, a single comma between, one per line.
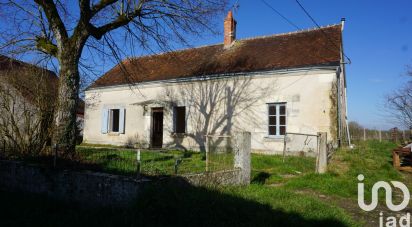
(396,160)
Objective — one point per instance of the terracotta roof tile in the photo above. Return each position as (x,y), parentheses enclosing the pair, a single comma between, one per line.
(292,50)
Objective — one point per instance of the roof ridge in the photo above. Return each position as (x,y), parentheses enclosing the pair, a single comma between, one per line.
(291,33)
(127,59)
(24,63)
(173,51)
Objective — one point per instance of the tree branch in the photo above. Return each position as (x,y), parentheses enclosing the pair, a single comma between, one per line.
(54,19)
(101,5)
(121,20)
(46,46)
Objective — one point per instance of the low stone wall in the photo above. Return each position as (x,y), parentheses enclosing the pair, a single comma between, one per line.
(100,189)
(226,177)
(85,187)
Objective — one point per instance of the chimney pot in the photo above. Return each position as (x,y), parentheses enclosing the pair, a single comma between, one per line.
(229,30)
(342,21)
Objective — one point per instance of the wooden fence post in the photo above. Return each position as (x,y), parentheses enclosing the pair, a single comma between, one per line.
(322,158)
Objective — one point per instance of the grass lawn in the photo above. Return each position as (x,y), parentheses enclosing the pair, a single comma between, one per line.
(281,194)
(124,161)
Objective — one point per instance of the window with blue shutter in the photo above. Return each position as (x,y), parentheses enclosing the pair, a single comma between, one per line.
(113,120)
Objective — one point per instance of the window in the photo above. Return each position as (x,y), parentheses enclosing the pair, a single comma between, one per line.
(180,119)
(276,119)
(114,120)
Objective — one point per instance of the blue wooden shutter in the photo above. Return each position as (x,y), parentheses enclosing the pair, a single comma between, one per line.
(121,120)
(105,120)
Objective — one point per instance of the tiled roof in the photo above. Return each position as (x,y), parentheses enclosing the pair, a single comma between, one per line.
(315,47)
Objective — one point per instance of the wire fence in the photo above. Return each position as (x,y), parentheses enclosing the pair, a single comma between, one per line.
(219,152)
(218,156)
(394,135)
(305,144)
(300,143)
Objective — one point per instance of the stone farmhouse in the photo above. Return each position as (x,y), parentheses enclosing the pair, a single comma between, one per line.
(269,86)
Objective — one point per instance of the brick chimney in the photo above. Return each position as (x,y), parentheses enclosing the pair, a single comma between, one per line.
(230,30)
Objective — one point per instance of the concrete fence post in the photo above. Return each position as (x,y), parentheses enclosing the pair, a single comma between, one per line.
(138,163)
(322,158)
(242,142)
(207,150)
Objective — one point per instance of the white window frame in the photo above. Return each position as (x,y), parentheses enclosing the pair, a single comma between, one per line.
(277,115)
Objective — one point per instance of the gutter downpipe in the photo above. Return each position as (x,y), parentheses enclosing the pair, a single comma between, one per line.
(339,108)
(346,119)
(344,95)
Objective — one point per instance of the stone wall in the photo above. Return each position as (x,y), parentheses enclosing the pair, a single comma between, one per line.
(100,189)
(91,188)
(227,177)
(85,187)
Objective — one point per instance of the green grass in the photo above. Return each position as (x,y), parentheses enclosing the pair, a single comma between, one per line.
(371,158)
(124,161)
(271,169)
(179,204)
(281,194)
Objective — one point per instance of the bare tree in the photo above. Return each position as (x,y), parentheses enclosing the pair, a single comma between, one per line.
(399,104)
(61,30)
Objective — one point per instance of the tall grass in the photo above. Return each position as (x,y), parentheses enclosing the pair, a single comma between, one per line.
(371,158)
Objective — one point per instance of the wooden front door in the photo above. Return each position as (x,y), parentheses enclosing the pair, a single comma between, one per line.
(157,127)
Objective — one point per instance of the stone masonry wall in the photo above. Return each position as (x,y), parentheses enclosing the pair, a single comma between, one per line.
(85,187)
